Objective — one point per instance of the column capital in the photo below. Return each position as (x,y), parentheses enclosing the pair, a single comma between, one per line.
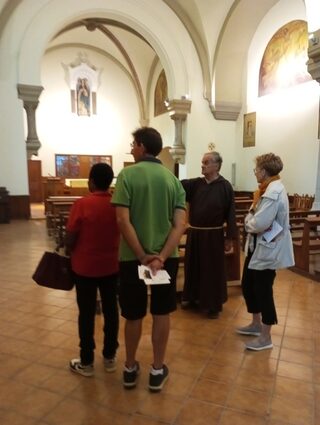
(179,108)
(178,111)
(30,96)
(29,93)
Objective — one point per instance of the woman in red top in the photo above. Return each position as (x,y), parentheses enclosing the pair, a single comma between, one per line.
(93,240)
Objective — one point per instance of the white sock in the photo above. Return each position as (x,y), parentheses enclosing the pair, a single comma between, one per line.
(156,371)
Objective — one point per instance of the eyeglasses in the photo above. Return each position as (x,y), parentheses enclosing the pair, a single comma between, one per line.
(132,144)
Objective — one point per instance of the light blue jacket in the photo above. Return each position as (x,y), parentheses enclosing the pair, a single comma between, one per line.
(278,253)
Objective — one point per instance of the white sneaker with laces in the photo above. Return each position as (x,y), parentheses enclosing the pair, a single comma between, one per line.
(110,365)
(77,367)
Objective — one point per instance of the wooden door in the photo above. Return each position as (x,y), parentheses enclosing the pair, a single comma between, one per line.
(35,180)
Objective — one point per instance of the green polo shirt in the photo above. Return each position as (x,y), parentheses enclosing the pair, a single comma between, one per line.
(152,194)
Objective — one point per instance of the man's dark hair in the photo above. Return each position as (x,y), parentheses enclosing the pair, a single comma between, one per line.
(101,174)
(150,138)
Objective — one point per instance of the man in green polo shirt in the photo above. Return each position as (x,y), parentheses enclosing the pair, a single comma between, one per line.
(150,205)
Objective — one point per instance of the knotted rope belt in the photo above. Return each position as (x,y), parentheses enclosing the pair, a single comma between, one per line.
(206,228)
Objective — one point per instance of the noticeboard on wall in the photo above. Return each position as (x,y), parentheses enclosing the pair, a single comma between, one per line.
(78,166)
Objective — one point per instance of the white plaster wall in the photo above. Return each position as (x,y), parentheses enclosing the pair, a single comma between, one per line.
(13,157)
(107,133)
(287,121)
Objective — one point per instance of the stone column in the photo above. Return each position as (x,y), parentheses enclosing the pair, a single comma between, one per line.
(30,96)
(178,110)
(314,70)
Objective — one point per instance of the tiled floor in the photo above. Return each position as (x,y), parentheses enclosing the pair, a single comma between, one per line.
(213,380)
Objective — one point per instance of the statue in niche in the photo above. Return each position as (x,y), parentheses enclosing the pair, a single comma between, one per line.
(160,95)
(83,97)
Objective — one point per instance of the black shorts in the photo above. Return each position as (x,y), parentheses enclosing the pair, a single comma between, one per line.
(133,295)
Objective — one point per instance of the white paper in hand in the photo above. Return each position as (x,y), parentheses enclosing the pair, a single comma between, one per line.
(162,277)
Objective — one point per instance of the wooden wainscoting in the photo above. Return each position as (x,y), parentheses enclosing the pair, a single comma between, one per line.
(19,207)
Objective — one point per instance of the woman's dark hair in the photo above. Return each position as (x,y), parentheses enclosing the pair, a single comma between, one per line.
(269,162)
(150,138)
(101,174)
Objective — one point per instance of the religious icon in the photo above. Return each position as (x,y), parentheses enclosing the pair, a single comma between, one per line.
(160,95)
(249,130)
(83,97)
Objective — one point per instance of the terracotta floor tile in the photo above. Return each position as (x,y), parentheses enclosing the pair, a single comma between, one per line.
(292,388)
(9,417)
(211,391)
(295,371)
(144,420)
(160,406)
(38,402)
(248,400)
(293,411)
(236,418)
(260,362)
(11,365)
(220,373)
(255,381)
(196,412)
(295,356)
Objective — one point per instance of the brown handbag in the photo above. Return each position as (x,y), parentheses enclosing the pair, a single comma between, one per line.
(54,271)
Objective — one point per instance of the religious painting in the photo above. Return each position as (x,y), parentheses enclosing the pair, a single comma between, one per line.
(284,63)
(249,130)
(160,95)
(83,97)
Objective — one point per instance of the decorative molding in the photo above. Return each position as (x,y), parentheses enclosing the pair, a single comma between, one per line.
(227,111)
(30,96)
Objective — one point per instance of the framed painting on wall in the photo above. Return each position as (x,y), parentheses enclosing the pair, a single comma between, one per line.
(249,130)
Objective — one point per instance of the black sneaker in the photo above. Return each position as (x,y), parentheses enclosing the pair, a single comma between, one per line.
(130,376)
(156,382)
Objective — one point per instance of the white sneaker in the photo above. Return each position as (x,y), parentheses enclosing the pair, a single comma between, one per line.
(77,367)
(110,365)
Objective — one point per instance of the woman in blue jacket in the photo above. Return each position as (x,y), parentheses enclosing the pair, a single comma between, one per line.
(268,248)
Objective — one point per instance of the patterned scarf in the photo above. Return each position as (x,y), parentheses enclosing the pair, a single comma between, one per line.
(262,188)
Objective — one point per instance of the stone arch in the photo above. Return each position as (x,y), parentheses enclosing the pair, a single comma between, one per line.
(34,42)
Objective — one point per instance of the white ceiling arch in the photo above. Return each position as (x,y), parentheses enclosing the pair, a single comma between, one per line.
(231,53)
(138,15)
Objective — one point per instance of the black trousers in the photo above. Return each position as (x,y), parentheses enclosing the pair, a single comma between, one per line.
(86,289)
(258,293)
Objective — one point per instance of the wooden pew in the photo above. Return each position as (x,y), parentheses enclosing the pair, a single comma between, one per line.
(55,206)
(307,245)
